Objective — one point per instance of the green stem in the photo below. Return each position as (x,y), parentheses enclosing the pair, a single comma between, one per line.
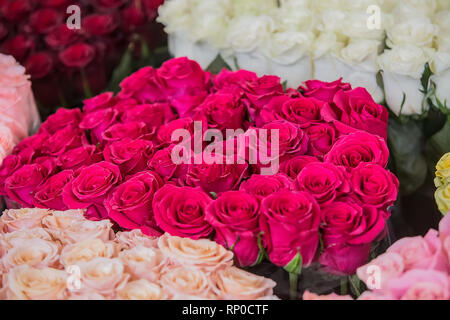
(293,282)
(86,87)
(343,286)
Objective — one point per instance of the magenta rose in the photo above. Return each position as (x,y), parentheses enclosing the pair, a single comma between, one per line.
(223,110)
(102,101)
(119,131)
(293,141)
(97,122)
(49,194)
(239,78)
(355,109)
(61,119)
(181,211)
(262,90)
(374,185)
(153,115)
(144,85)
(79,157)
(90,188)
(324,181)
(63,140)
(321,138)
(235,218)
(130,155)
(290,225)
(10,164)
(163,164)
(293,166)
(21,184)
(348,231)
(164,132)
(324,91)
(350,150)
(263,186)
(31,146)
(130,204)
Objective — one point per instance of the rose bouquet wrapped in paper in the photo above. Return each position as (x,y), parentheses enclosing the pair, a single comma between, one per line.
(297,176)
(58,255)
(71,47)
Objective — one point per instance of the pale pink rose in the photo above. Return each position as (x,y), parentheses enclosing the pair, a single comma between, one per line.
(444,234)
(36,253)
(142,290)
(25,218)
(143,263)
(421,252)
(369,295)
(23,234)
(235,284)
(202,253)
(187,283)
(307,295)
(102,275)
(135,237)
(28,283)
(377,272)
(420,285)
(85,296)
(86,250)
(6,141)
(11,73)
(59,220)
(85,229)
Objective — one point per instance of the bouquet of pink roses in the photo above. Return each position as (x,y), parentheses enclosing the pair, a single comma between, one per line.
(300,176)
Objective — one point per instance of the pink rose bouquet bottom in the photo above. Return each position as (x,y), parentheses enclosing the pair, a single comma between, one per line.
(326,200)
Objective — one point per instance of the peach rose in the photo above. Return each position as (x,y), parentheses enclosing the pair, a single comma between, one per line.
(143,263)
(187,283)
(22,234)
(25,218)
(332,296)
(28,283)
(36,253)
(141,290)
(130,239)
(86,296)
(59,220)
(86,250)
(85,229)
(203,253)
(235,284)
(389,265)
(103,275)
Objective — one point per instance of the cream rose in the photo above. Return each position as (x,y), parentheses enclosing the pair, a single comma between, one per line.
(80,230)
(141,290)
(26,218)
(28,283)
(247,33)
(354,26)
(143,263)
(86,296)
(36,253)
(187,283)
(87,250)
(443,170)
(235,284)
(441,77)
(133,238)
(102,275)
(406,9)
(203,253)
(255,7)
(175,15)
(418,31)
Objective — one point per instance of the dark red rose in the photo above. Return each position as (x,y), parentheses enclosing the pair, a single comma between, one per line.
(61,37)
(133,18)
(3,31)
(107,4)
(53,3)
(17,10)
(39,65)
(151,7)
(78,55)
(99,24)
(45,20)
(19,46)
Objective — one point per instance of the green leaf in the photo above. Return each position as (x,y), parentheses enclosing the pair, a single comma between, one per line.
(425,79)
(355,285)
(122,71)
(406,146)
(213,194)
(262,251)
(217,65)
(295,266)
(284,84)
(438,145)
(234,244)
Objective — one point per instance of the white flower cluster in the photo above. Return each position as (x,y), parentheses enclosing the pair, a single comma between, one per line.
(327,39)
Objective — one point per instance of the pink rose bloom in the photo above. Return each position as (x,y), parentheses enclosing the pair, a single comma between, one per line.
(262,186)
(293,166)
(261,91)
(324,91)
(102,101)
(239,78)
(374,185)
(322,137)
(420,285)
(444,233)
(350,150)
(348,231)
(290,222)
(422,252)
(355,109)
(64,140)
(61,119)
(369,295)
(130,155)
(144,85)
(82,156)
(307,295)
(133,238)
(153,115)
(130,204)
(98,121)
(119,131)
(181,211)
(49,194)
(18,219)
(90,188)
(385,267)
(9,165)
(235,216)
(324,181)
(163,165)
(164,132)
(293,141)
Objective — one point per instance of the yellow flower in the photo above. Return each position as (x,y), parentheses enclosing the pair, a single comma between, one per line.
(443,171)
(442,196)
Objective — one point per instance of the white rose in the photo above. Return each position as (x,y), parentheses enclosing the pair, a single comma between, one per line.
(406,9)
(322,5)
(247,33)
(325,64)
(331,21)
(202,52)
(405,60)
(388,6)
(441,77)
(443,43)
(325,43)
(175,15)
(288,47)
(254,7)
(360,5)
(295,19)
(355,26)
(443,5)
(417,31)
(210,21)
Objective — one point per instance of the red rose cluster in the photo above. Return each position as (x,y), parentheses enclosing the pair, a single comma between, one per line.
(36,33)
(114,159)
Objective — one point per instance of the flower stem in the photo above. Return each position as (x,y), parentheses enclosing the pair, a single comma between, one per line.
(293,282)
(344,286)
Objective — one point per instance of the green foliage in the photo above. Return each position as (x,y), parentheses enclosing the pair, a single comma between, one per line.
(218,65)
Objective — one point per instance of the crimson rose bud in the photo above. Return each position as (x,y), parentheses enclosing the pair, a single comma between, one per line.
(78,55)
